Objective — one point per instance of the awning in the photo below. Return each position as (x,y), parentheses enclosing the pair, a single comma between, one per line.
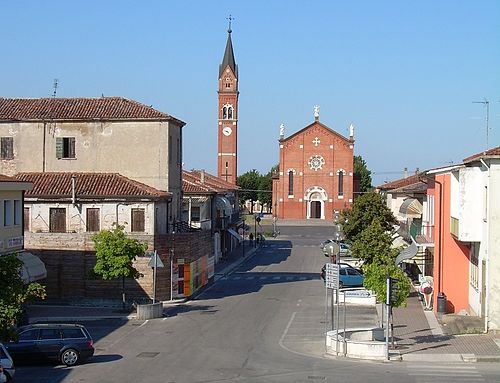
(235,235)
(195,200)
(411,207)
(222,203)
(407,253)
(32,269)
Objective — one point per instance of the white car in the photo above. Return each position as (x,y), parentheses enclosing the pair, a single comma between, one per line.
(7,369)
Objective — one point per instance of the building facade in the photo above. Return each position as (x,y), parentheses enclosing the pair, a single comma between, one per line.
(315,179)
(106,134)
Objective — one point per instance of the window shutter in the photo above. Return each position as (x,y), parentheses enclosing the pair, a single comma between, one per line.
(93,222)
(72,147)
(57,221)
(59,147)
(138,220)
(7,148)
(26,219)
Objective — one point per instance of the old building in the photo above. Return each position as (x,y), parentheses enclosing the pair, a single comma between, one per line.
(315,177)
(105,134)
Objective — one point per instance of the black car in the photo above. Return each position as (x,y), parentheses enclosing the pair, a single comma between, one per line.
(66,343)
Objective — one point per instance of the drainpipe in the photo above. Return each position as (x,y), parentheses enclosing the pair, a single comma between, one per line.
(486,298)
(440,242)
(73,191)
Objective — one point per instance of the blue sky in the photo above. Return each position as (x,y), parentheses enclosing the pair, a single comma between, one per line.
(405,73)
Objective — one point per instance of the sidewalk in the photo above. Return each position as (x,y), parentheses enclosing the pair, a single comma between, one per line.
(419,337)
(43,313)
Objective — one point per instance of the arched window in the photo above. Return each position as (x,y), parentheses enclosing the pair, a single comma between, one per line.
(290,182)
(227,112)
(341,183)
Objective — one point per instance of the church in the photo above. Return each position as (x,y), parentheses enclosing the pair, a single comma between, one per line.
(315,178)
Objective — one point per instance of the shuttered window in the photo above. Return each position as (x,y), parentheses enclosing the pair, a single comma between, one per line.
(65,147)
(138,220)
(26,219)
(93,219)
(7,148)
(57,220)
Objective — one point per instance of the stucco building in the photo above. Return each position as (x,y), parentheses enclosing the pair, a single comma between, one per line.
(315,178)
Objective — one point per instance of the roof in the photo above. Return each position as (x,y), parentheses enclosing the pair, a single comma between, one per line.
(201,182)
(4,178)
(228,57)
(487,153)
(87,185)
(62,109)
(320,124)
(402,182)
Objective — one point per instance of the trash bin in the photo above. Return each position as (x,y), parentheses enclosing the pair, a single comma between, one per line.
(441,303)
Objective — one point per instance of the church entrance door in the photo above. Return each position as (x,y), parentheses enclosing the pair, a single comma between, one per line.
(315,209)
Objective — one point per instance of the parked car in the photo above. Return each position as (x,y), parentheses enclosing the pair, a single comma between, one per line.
(348,276)
(7,369)
(345,249)
(66,343)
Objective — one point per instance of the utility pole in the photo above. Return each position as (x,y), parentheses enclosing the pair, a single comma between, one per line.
(485,103)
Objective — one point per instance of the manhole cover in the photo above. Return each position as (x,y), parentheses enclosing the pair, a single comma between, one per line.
(147,354)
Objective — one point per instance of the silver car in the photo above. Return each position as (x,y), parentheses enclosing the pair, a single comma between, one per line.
(7,365)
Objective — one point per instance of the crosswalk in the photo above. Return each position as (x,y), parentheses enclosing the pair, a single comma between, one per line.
(440,373)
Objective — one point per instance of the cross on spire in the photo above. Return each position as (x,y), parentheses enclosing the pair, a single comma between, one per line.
(230,18)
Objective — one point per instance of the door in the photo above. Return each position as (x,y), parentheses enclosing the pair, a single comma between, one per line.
(49,342)
(57,220)
(315,209)
(26,347)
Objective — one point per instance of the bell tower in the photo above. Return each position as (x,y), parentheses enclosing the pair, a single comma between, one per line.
(227,131)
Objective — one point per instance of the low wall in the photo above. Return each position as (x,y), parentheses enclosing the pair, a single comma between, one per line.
(363,343)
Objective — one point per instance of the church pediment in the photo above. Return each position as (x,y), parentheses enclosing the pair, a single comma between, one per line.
(314,132)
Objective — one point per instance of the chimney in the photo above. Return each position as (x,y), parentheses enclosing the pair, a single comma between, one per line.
(73,189)
(405,173)
(202,176)
(417,170)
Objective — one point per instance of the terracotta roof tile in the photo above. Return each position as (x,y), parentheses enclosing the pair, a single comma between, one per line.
(192,183)
(413,179)
(90,185)
(490,152)
(102,108)
(4,178)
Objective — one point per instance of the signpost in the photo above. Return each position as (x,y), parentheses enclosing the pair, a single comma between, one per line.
(155,262)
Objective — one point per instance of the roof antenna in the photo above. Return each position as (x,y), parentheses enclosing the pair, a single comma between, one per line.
(56,82)
(486,104)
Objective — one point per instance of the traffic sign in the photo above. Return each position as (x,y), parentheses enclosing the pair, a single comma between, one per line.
(332,276)
(155,262)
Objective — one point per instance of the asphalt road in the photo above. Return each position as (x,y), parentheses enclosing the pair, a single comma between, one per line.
(263,323)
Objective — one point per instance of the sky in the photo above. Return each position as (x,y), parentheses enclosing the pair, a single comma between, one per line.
(406,74)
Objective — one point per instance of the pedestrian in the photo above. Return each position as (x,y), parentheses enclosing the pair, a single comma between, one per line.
(250,237)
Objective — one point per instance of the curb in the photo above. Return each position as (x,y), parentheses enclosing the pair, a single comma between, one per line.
(465,358)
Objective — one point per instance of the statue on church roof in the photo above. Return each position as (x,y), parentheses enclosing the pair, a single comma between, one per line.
(351,131)
(316,112)
(282,130)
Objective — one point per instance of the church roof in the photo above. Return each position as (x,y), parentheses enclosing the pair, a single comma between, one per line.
(320,124)
(228,57)
(67,109)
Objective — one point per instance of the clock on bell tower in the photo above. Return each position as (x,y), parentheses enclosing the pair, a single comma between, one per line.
(227,153)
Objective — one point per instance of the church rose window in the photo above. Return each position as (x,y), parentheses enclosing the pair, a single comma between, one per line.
(316,162)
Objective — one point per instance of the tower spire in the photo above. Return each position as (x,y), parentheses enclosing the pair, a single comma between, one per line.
(230,18)
(228,53)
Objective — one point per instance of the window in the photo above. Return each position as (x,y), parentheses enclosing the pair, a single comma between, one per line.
(17,212)
(138,220)
(290,182)
(474,267)
(227,112)
(7,213)
(28,335)
(65,147)
(72,333)
(26,219)
(7,148)
(93,221)
(57,220)
(49,333)
(181,271)
(195,213)
(341,183)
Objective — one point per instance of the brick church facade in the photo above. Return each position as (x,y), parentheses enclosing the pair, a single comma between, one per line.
(315,178)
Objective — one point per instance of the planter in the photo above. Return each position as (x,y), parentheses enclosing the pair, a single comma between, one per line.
(150,311)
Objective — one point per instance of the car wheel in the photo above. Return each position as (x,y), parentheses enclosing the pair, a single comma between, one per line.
(341,285)
(69,357)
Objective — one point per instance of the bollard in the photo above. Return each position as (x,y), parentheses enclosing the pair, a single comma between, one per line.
(441,303)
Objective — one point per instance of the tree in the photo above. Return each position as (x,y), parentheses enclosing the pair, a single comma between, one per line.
(361,171)
(373,242)
(249,183)
(13,294)
(115,254)
(365,209)
(265,194)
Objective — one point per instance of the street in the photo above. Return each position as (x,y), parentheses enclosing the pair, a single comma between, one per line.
(265,322)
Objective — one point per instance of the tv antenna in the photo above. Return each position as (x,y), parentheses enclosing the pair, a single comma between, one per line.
(56,82)
(485,103)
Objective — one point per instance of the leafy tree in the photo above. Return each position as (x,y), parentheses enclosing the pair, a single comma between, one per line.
(373,242)
(115,254)
(249,183)
(266,186)
(13,294)
(376,276)
(364,211)
(360,170)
